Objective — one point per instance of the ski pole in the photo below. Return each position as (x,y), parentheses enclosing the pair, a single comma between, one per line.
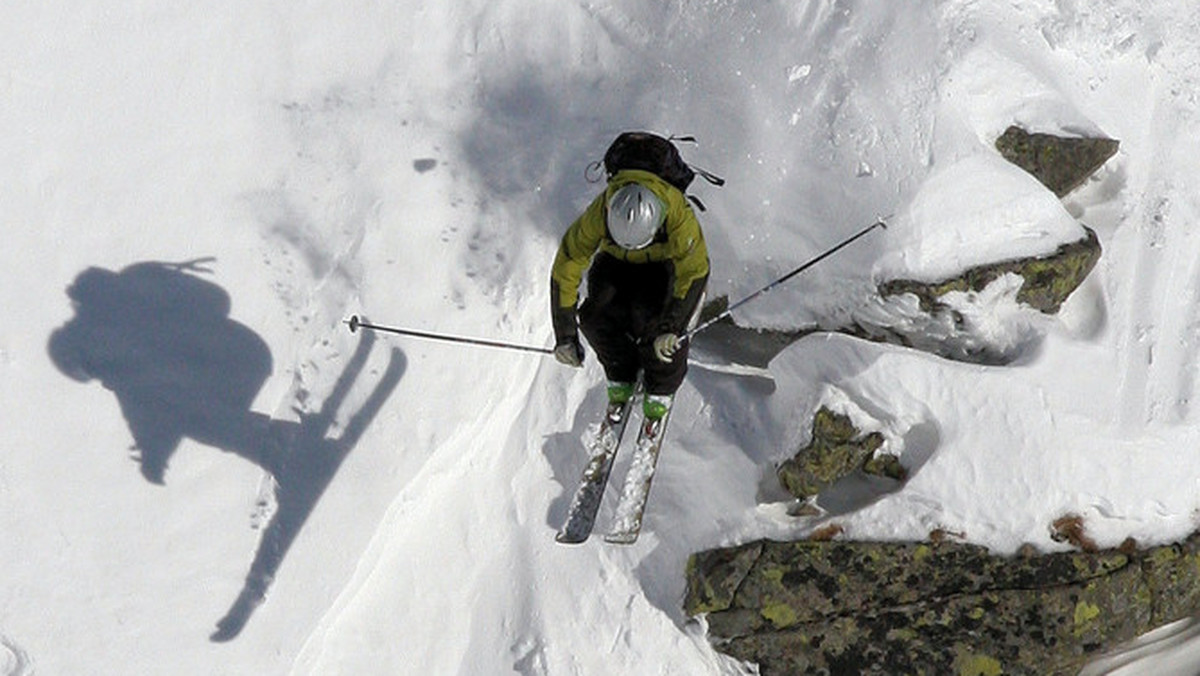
(355,324)
(879,223)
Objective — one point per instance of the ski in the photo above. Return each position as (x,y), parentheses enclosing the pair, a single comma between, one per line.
(581,516)
(627,523)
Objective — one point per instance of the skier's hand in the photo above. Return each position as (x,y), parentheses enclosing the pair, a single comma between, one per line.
(665,347)
(569,352)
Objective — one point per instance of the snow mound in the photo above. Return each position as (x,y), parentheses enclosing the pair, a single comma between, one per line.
(979,210)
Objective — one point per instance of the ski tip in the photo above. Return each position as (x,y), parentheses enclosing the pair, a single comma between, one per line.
(567,539)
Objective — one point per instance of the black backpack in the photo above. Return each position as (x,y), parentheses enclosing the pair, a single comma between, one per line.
(653,153)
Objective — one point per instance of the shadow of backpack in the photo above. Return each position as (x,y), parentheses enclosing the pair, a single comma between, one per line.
(653,153)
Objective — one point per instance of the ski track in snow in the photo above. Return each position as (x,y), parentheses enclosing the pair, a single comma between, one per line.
(13,660)
(1162,344)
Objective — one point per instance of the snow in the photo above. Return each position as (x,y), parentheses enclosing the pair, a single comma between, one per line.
(978,210)
(416,163)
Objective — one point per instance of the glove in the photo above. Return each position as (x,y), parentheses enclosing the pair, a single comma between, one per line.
(665,347)
(569,352)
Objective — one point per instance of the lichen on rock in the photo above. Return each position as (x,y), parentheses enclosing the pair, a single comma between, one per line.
(1060,163)
(945,606)
(836,449)
(936,608)
(1047,280)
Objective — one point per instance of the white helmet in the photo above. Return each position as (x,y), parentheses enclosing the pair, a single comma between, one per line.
(635,214)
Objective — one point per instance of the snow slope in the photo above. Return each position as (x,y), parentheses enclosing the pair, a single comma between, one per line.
(416,162)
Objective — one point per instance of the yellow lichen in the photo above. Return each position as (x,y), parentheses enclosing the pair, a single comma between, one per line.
(1084,613)
(780,615)
(921,553)
(773,574)
(973,664)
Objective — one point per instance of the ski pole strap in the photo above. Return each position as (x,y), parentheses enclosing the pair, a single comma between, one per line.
(879,223)
(355,324)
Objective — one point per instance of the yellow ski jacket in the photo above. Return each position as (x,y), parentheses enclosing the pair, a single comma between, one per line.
(679,243)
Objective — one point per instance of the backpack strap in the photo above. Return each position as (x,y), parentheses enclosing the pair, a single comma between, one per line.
(708,176)
(704,173)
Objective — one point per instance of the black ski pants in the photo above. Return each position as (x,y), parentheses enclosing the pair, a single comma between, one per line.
(623,314)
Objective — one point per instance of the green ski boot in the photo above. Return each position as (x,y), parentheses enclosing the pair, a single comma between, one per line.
(656,406)
(619,393)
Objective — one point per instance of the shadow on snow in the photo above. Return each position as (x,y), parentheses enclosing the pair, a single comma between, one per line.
(159,337)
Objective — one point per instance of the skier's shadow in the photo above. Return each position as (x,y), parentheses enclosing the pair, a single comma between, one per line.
(159,337)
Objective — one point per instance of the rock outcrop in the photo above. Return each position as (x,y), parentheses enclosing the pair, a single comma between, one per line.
(826,606)
(1049,279)
(933,608)
(836,449)
(1060,163)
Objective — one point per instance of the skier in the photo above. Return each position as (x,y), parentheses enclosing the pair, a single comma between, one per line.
(647,266)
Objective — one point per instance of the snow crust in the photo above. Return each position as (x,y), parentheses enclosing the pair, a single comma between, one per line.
(416,163)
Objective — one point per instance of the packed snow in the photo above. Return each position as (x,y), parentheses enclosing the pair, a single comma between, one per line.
(199,195)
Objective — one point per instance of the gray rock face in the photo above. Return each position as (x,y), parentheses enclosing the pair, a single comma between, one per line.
(1049,280)
(1061,164)
(836,449)
(933,608)
(938,607)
